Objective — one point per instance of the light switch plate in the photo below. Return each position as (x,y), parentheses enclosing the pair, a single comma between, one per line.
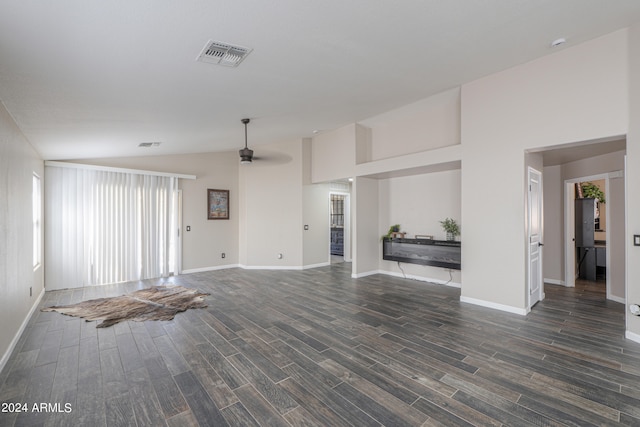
(636,240)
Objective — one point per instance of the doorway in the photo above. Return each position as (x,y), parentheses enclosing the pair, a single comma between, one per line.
(339,223)
(588,235)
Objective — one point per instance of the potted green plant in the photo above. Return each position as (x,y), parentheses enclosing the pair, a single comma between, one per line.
(393,229)
(451,227)
(592,191)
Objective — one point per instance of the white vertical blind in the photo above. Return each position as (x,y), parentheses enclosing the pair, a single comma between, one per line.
(107,227)
(36,197)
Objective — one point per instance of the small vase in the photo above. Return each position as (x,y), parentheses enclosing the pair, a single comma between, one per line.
(450,237)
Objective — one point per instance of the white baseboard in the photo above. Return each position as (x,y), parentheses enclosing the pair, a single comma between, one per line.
(212,268)
(321,264)
(421,278)
(365,274)
(616,299)
(255,267)
(495,306)
(631,336)
(16,338)
(554,282)
(270,267)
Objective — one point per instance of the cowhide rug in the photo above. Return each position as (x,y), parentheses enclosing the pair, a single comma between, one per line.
(154,303)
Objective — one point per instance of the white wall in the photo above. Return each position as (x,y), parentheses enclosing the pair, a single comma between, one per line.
(576,94)
(333,154)
(208,239)
(271,208)
(633,183)
(616,235)
(418,203)
(18,162)
(553,236)
(366,228)
(430,123)
(315,215)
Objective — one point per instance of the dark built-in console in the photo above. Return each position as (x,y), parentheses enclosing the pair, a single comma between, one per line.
(437,253)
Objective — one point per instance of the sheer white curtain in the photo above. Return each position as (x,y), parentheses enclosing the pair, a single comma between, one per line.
(107,227)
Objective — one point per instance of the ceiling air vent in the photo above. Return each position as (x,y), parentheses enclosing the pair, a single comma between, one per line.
(148,144)
(223,54)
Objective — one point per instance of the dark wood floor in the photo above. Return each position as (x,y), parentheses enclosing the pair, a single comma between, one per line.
(316,347)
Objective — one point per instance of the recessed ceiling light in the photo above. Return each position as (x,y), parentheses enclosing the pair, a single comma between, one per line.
(558,42)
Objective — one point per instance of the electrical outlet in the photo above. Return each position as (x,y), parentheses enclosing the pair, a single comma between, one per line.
(223,255)
(188,228)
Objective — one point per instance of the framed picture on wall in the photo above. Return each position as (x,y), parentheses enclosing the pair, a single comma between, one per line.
(217,204)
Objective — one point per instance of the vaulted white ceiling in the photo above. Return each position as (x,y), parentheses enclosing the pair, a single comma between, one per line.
(94,78)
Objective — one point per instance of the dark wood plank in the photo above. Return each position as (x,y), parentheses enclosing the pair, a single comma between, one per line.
(259,408)
(202,407)
(272,392)
(269,368)
(171,356)
(237,415)
(229,374)
(114,380)
(169,396)
(317,347)
(340,405)
(119,411)
(146,406)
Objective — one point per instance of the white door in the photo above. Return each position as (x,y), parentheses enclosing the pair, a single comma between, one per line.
(535,236)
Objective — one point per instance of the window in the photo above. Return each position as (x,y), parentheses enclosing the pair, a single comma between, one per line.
(109,226)
(337,210)
(36,204)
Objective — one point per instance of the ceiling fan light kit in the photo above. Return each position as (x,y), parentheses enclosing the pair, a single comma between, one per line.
(246,154)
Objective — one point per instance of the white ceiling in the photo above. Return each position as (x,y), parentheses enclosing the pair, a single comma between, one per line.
(94,78)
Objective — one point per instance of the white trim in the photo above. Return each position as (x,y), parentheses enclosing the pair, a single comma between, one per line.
(112,169)
(495,306)
(421,278)
(569,224)
(627,247)
(616,299)
(178,249)
(254,267)
(568,244)
(320,264)
(270,267)
(16,338)
(212,268)
(554,282)
(631,336)
(365,274)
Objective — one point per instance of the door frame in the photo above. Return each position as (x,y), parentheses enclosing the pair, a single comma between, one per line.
(346,254)
(570,272)
(178,251)
(540,296)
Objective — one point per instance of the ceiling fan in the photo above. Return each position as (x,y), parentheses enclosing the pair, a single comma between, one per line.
(246,154)
(272,158)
